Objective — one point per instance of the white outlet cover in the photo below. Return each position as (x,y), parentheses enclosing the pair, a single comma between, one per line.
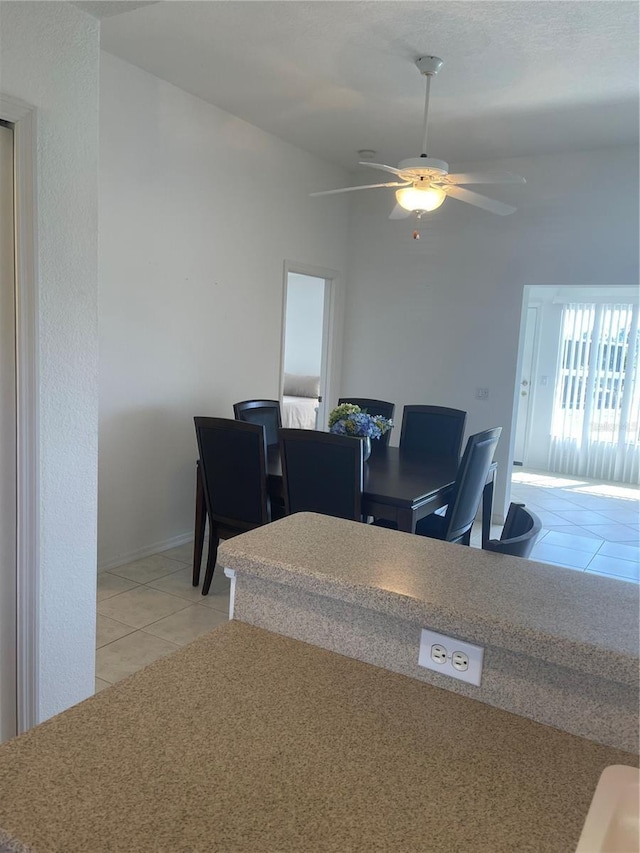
(473,675)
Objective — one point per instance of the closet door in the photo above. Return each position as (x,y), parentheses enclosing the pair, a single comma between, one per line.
(7,442)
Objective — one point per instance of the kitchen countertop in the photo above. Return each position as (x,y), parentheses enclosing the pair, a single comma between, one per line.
(586,622)
(248,741)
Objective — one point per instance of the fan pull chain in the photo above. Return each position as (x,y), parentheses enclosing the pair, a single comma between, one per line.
(426,114)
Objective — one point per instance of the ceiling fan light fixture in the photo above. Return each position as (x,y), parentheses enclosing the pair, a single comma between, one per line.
(426,181)
(413,198)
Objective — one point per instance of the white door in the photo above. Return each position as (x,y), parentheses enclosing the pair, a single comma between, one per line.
(524,388)
(7,443)
(306,347)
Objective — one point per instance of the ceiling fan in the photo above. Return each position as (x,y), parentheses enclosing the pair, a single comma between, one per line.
(424,182)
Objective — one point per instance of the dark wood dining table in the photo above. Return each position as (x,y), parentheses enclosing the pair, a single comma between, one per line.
(401,488)
(396,487)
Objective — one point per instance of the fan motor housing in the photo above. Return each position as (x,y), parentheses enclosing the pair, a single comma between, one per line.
(429,65)
(423,167)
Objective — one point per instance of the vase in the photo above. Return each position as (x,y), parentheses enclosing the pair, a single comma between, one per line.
(366,448)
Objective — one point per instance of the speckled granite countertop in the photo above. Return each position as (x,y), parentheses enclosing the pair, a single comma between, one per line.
(248,742)
(586,622)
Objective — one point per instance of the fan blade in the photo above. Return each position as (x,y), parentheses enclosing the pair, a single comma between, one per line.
(484,178)
(478,200)
(384,168)
(364,187)
(399,212)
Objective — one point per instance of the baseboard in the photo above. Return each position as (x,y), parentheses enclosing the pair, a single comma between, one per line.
(146,551)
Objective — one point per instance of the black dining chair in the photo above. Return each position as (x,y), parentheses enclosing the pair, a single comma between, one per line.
(322,473)
(374,407)
(233,469)
(456,522)
(432,432)
(265,412)
(519,534)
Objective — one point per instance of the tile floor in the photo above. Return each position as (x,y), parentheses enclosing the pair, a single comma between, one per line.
(587,526)
(148,608)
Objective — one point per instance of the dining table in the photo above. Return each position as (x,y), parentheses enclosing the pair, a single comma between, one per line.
(397,487)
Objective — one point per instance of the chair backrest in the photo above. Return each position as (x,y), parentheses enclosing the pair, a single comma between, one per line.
(265,412)
(432,432)
(521,529)
(234,471)
(322,473)
(470,481)
(374,407)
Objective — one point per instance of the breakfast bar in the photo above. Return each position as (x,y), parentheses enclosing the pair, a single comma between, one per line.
(250,741)
(560,647)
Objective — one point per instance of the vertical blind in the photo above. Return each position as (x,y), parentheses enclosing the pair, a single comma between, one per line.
(595,429)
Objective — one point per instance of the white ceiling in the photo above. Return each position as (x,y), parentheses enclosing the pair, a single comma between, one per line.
(520,77)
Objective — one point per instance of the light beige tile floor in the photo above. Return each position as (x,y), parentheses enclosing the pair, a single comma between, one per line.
(149,608)
(587,525)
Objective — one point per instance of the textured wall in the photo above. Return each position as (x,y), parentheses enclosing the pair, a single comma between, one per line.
(198,212)
(49,57)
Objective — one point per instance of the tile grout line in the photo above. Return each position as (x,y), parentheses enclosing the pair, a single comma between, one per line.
(189,603)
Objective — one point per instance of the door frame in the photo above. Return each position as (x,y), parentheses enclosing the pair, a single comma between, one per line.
(327,378)
(527,302)
(528,305)
(23,117)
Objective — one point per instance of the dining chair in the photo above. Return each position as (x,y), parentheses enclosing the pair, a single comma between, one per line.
(519,534)
(432,432)
(233,469)
(322,472)
(374,407)
(265,412)
(454,525)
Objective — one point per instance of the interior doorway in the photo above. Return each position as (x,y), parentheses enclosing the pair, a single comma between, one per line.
(8,447)
(306,347)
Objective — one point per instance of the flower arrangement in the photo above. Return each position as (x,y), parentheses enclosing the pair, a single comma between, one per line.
(349,419)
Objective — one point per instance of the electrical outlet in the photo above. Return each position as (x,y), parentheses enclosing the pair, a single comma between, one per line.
(460,661)
(438,653)
(451,656)
(482,393)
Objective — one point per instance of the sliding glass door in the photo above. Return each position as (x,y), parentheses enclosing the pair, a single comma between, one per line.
(595,422)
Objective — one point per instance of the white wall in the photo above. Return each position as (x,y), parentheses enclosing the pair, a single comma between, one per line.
(430,321)
(49,58)
(303,327)
(198,212)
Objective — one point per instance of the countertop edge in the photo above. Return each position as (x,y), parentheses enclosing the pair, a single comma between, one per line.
(552,648)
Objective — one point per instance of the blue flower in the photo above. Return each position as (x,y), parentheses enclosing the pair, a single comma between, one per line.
(348,419)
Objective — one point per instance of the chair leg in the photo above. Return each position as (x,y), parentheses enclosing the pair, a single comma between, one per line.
(200,523)
(212,556)
(466,538)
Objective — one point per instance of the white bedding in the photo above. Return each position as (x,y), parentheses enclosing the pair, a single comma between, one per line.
(299,412)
